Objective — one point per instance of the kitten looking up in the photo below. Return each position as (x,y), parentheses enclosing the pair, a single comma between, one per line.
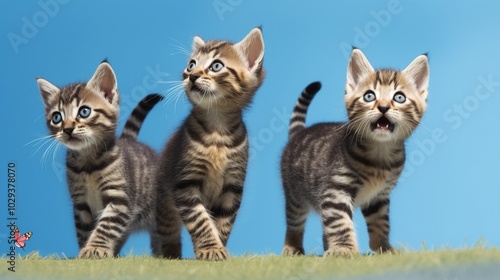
(203,166)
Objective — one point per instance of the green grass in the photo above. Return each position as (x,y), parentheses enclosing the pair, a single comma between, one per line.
(246,267)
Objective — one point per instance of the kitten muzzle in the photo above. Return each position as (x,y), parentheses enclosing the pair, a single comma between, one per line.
(195,88)
(383,124)
(72,140)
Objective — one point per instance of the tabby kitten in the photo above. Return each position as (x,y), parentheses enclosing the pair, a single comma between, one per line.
(335,167)
(203,166)
(110,180)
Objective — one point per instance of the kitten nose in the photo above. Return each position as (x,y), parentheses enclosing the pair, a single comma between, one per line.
(193,77)
(383,108)
(69,130)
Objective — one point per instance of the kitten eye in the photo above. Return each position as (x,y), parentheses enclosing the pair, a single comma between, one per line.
(216,66)
(84,112)
(369,96)
(191,66)
(399,97)
(56,118)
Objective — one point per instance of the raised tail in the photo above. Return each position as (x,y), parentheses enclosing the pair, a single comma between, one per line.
(298,120)
(134,122)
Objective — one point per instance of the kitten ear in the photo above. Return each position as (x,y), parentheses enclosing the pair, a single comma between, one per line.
(47,90)
(197,43)
(104,82)
(252,49)
(358,67)
(418,72)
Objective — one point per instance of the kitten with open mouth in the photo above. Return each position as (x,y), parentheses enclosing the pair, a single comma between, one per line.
(383,124)
(335,167)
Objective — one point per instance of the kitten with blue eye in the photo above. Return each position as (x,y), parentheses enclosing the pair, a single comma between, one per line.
(203,166)
(335,167)
(110,180)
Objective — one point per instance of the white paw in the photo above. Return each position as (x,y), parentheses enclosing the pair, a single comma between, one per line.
(340,252)
(212,254)
(89,252)
(291,251)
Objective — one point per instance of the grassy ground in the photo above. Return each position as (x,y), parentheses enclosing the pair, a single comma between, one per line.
(248,267)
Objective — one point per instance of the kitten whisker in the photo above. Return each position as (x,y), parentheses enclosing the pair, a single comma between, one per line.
(180,47)
(38,140)
(41,142)
(169,82)
(223,97)
(40,117)
(173,93)
(52,147)
(55,152)
(408,130)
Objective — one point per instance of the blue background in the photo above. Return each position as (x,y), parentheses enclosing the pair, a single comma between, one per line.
(449,195)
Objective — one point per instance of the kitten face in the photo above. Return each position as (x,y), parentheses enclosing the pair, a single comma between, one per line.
(82,116)
(385,105)
(222,74)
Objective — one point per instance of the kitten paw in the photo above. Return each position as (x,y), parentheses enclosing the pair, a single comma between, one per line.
(95,253)
(212,254)
(340,252)
(381,247)
(170,251)
(385,250)
(292,251)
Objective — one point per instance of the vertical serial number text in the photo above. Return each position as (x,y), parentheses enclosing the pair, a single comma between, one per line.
(11,190)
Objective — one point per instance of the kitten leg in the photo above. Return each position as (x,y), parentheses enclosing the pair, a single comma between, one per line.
(225,211)
(112,225)
(339,237)
(120,242)
(296,215)
(156,243)
(168,226)
(199,223)
(376,214)
(84,223)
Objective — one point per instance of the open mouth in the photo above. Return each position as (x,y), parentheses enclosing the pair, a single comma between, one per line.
(195,88)
(200,91)
(383,124)
(72,140)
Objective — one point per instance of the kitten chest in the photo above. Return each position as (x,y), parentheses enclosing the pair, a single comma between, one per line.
(378,182)
(222,160)
(92,194)
(217,158)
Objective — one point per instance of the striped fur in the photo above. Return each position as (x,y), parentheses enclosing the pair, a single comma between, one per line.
(140,112)
(333,168)
(110,180)
(298,120)
(203,167)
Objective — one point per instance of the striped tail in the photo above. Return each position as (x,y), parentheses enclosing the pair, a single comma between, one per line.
(298,120)
(134,122)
